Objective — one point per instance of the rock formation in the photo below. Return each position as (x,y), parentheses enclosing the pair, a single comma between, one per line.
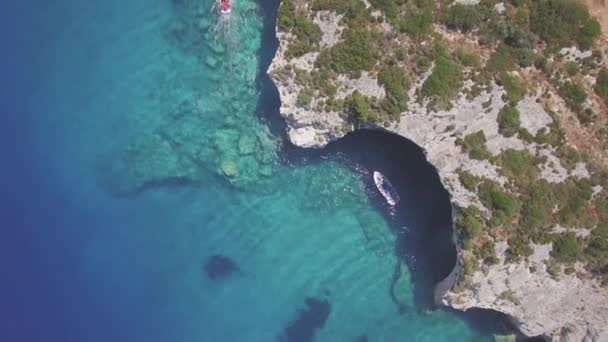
(562,301)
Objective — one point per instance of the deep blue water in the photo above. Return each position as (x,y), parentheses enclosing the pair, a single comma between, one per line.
(95,252)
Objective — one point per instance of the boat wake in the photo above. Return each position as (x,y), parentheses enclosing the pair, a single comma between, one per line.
(226,27)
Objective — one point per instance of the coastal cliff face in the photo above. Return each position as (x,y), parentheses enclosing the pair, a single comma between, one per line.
(492,134)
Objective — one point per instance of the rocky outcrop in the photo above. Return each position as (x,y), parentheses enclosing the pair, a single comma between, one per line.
(564,308)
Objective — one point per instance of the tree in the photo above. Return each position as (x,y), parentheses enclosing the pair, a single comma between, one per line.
(508,121)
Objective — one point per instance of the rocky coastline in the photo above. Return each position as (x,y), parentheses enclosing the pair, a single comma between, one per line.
(570,307)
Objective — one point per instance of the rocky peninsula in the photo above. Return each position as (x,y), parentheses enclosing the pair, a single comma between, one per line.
(510,102)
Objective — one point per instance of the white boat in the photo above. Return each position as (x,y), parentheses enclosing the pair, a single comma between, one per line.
(225,6)
(386,188)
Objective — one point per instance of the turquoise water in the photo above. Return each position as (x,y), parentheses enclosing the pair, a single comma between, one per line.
(142,139)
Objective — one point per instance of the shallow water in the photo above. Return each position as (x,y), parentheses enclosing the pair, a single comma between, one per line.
(142,139)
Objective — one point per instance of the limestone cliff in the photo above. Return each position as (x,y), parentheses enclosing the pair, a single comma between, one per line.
(562,300)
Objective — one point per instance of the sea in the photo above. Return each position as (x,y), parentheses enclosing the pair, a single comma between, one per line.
(149,192)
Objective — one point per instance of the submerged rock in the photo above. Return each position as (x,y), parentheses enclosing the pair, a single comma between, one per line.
(229,168)
(219,267)
(308,321)
(246,144)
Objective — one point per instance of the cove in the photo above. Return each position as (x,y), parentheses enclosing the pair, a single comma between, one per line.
(95,91)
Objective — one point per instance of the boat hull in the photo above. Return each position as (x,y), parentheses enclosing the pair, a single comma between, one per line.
(386,189)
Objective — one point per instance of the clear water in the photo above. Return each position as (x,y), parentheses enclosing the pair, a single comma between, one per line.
(140,138)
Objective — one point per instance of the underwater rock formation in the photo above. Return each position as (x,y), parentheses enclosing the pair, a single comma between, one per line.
(308,321)
(212,129)
(220,267)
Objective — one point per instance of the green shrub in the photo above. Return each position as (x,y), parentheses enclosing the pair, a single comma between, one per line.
(475,145)
(400,54)
(305,97)
(396,84)
(519,166)
(503,59)
(504,206)
(555,136)
(468,180)
(487,253)
(508,121)
(463,17)
(601,84)
(470,265)
(515,89)
(537,205)
(468,59)
(562,22)
(571,68)
(389,7)
(356,53)
(573,198)
(566,248)
(589,33)
(417,23)
(598,248)
(354,11)
(574,95)
(360,107)
(519,246)
(469,222)
(285,17)
(445,80)
(525,135)
(308,34)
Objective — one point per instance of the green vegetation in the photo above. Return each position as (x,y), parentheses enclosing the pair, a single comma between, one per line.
(519,246)
(508,121)
(417,23)
(463,17)
(468,59)
(358,52)
(305,97)
(504,206)
(596,251)
(486,252)
(468,180)
(469,222)
(354,11)
(445,80)
(555,136)
(308,34)
(574,95)
(573,198)
(508,295)
(566,248)
(537,207)
(563,22)
(514,87)
(502,60)
(519,166)
(396,84)
(389,7)
(601,85)
(360,107)
(475,145)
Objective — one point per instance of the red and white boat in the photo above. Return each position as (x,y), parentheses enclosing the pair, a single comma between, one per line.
(225,6)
